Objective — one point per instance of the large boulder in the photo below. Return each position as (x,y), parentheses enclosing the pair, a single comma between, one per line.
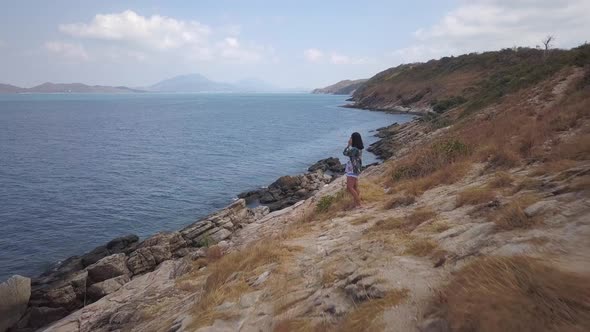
(146,259)
(14,296)
(37,317)
(331,164)
(173,240)
(106,287)
(122,244)
(108,267)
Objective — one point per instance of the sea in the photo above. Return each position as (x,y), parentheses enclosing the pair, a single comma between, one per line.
(77,170)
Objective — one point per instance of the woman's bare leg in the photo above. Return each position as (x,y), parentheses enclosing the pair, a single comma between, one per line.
(350,184)
(356,188)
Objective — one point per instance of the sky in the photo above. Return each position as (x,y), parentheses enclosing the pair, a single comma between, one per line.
(290,44)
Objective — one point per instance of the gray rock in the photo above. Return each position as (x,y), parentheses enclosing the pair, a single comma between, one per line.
(146,259)
(173,240)
(95,255)
(106,287)
(331,164)
(14,296)
(434,325)
(64,297)
(37,317)
(540,207)
(108,267)
(122,243)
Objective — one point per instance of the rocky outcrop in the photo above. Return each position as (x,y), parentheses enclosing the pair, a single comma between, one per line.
(103,288)
(81,280)
(331,164)
(288,190)
(14,296)
(107,268)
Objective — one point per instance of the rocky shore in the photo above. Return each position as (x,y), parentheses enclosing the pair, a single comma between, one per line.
(29,304)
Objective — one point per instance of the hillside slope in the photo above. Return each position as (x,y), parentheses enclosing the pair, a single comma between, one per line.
(475,80)
(478,221)
(344,87)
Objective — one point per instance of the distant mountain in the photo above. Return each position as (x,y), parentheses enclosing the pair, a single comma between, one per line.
(345,87)
(199,83)
(190,83)
(7,88)
(66,88)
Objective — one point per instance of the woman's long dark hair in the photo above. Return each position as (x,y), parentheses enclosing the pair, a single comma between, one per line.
(357,141)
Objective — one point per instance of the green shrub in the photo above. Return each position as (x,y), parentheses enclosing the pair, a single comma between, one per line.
(325,203)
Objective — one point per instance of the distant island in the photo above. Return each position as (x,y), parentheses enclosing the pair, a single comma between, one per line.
(66,88)
(191,83)
(345,87)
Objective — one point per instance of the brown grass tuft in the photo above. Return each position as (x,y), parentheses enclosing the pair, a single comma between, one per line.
(366,315)
(498,157)
(297,325)
(360,220)
(512,215)
(446,175)
(226,280)
(553,167)
(419,216)
(386,225)
(516,294)
(420,247)
(400,200)
(214,253)
(474,196)
(437,227)
(501,180)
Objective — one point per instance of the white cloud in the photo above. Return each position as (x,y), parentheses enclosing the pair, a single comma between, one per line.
(313,55)
(494,24)
(67,50)
(158,36)
(158,32)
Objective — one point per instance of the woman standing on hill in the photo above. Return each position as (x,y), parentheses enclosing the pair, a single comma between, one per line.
(354,151)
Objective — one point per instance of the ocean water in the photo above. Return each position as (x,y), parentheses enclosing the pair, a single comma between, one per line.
(79,170)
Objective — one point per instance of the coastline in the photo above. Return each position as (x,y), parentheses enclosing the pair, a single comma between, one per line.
(81,279)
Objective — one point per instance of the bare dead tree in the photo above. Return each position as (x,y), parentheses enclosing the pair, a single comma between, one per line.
(547,42)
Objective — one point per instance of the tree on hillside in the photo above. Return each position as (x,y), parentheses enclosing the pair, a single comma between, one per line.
(547,42)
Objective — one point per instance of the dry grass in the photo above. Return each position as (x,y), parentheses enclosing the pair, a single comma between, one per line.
(553,167)
(437,227)
(501,180)
(227,277)
(331,205)
(575,148)
(580,184)
(386,226)
(512,215)
(419,216)
(474,196)
(297,325)
(399,200)
(365,317)
(498,157)
(360,220)
(528,184)
(515,294)
(214,253)
(420,247)
(447,175)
